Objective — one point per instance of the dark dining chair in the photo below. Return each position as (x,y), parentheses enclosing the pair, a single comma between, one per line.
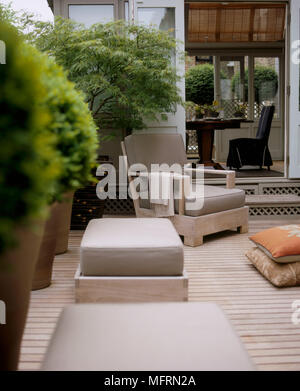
(253,151)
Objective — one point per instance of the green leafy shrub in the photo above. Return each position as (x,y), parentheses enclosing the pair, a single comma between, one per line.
(28,163)
(199,84)
(265,83)
(73,126)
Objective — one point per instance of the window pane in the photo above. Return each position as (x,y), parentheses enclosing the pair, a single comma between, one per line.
(233,89)
(163,18)
(91,14)
(266,83)
(126,11)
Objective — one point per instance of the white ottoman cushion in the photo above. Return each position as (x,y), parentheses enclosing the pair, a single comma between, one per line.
(131,247)
(145,337)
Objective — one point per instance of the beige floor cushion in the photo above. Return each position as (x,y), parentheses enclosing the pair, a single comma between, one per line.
(145,337)
(131,247)
(279,274)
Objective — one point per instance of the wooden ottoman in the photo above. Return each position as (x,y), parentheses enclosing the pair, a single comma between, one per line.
(145,337)
(131,260)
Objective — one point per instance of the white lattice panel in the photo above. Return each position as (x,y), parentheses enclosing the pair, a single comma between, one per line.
(249,189)
(279,188)
(274,211)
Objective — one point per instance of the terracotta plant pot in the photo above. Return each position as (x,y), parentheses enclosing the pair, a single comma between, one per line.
(16,274)
(64,212)
(43,269)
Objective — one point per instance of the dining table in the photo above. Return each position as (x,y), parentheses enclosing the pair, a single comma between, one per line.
(205,129)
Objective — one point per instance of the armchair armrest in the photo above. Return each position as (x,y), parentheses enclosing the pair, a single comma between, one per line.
(146,174)
(181,178)
(230,175)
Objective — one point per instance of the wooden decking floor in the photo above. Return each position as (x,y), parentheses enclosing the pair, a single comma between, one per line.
(218,272)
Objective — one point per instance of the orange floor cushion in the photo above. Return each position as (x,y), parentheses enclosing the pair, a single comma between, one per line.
(282,244)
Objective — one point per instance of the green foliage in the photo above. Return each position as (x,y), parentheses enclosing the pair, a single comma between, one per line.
(28,164)
(191,109)
(265,83)
(73,126)
(199,84)
(22,20)
(7,13)
(125,71)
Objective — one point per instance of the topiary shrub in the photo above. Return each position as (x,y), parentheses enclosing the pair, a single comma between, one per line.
(265,83)
(28,164)
(73,126)
(199,84)
(48,140)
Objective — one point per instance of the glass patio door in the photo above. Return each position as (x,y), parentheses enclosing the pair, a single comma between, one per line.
(165,14)
(294,103)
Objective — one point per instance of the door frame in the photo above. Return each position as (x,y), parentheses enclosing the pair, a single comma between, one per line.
(251,99)
(176,122)
(293,145)
(275,50)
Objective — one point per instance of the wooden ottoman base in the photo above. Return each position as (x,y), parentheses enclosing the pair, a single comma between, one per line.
(123,289)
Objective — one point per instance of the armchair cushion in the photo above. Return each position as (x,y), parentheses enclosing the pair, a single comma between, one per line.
(216,199)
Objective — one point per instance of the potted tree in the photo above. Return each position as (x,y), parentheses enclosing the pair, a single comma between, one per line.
(76,144)
(76,159)
(28,169)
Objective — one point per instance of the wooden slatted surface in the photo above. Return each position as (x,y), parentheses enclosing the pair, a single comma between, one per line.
(218,272)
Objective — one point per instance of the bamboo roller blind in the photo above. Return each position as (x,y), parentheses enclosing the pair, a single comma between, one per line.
(242,22)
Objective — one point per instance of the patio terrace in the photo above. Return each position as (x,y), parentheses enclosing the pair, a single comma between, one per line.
(218,272)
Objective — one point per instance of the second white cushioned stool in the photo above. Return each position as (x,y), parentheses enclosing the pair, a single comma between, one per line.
(145,337)
(131,259)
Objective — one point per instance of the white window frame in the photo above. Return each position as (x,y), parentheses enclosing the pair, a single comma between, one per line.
(67,3)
